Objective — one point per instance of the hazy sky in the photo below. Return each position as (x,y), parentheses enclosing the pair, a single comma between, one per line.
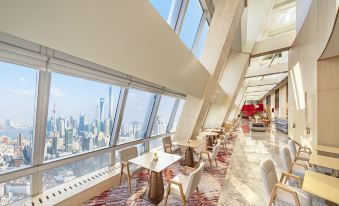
(71,96)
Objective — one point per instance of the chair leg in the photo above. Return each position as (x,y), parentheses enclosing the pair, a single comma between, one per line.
(274,191)
(199,197)
(121,173)
(129,180)
(183,200)
(167,192)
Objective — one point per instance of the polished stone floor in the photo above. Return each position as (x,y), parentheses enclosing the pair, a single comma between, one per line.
(243,184)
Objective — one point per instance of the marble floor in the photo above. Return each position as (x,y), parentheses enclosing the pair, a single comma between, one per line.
(243,184)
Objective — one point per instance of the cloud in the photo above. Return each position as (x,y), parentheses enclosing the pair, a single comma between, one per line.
(56,92)
(24,92)
(22,79)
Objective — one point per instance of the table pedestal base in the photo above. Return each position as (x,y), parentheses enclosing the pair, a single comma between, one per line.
(155,192)
(189,159)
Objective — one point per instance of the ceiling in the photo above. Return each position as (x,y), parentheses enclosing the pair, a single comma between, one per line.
(265,72)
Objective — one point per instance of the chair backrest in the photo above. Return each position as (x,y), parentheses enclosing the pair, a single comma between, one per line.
(293,148)
(285,156)
(128,153)
(194,180)
(215,151)
(268,175)
(166,141)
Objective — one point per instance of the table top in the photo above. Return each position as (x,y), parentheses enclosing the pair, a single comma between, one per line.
(324,161)
(213,130)
(209,133)
(323,148)
(321,185)
(192,143)
(147,161)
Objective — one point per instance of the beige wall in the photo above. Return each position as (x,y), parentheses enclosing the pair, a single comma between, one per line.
(126,35)
(304,75)
(282,102)
(328,101)
(272,106)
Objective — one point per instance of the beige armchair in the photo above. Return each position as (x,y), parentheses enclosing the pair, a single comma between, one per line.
(210,156)
(127,168)
(223,140)
(303,153)
(183,186)
(168,145)
(297,168)
(279,192)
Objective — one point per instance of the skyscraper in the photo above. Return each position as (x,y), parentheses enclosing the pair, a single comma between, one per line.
(110,103)
(53,122)
(107,127)
(69,140)
(101,113)
(19,139)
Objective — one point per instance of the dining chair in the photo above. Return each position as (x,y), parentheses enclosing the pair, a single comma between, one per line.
(210,156)
(183,186)
(168,145)
(279,192)
(297,168)
(223,141)
(127,168)
(303,153)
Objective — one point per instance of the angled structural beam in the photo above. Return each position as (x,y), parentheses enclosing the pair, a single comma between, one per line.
(273,45)
(263,82)
(274,69)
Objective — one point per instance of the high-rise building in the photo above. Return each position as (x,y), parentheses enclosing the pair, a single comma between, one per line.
(110,103)
(101,113)
(61,126)
(69,140)
(8,124)
(107,127)
(53,122)
(19,139)
(82,123)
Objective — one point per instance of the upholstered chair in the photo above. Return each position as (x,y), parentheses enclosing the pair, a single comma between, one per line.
(303,153)
(297,168)
(279,192)
(168,145)
(223,141)
(183,186)
(210,156)
(127,168)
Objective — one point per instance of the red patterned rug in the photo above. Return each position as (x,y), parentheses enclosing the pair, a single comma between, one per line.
(209,187)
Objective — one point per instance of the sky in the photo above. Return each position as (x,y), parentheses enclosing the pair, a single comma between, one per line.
(191,21)
(72,96)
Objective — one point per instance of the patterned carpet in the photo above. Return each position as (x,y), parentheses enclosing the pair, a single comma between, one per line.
(209,187)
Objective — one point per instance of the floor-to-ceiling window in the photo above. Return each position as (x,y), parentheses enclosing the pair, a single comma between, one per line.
(17,113)
(80,115)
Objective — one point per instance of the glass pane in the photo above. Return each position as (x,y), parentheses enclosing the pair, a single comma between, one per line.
(191,23)
(137,112)
(163,7)
(17,111)
(15,190)
(57,176)
(163,115)
(177,115)
(202,39)
(80,115)
(155,143)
